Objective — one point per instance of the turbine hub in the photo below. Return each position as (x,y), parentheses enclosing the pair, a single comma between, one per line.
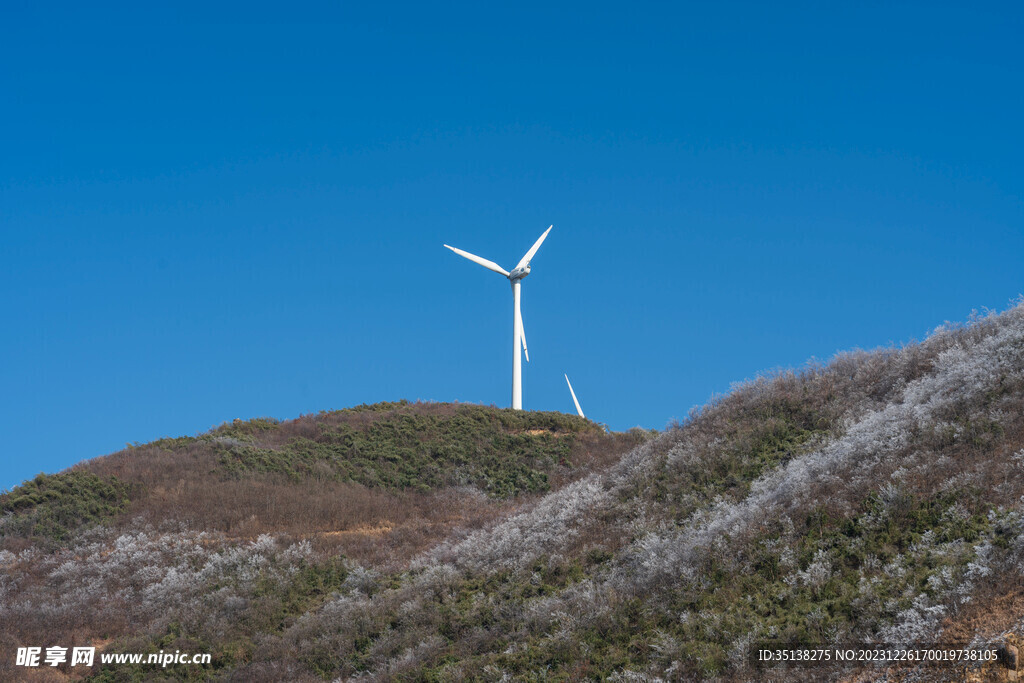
(519,273)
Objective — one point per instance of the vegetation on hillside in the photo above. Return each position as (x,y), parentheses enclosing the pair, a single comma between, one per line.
(875,499)
(53,506)
(217,541)
(501,452)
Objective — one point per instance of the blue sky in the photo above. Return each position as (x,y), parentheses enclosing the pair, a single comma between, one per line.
(238,211)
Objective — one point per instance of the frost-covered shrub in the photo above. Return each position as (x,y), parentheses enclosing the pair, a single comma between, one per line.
(361,580)
(917,624)
(517,541)
(817,573)
(146,577)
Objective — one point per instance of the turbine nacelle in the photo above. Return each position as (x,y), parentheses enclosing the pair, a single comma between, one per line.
(519,272)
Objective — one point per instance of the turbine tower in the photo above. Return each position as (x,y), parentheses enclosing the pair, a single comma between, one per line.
(521,270)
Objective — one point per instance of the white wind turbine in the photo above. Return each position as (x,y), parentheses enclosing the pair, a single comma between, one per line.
(521,270)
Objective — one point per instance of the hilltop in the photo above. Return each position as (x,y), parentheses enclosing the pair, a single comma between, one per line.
(873,499)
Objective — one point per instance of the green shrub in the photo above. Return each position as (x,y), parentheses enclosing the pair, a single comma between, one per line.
(502,452)
(55,505)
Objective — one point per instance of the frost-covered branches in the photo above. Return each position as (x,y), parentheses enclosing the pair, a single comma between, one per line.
(518,540)
(139,576)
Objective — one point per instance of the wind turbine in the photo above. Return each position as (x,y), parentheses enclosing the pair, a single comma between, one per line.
(521,270)
(578,409)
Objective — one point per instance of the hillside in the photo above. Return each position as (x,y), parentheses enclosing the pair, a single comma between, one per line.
(104,545)
(875,499)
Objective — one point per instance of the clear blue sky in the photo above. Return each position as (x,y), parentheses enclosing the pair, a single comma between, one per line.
(210,211)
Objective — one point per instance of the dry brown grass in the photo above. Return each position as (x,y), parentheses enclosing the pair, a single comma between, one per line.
(995,608)
(370,525)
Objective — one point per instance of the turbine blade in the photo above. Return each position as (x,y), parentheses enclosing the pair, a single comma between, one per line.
(522,336)
(578,409)
(533,250)
(490,265)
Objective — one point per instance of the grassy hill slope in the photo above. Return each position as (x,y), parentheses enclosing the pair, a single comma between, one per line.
(873,499)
